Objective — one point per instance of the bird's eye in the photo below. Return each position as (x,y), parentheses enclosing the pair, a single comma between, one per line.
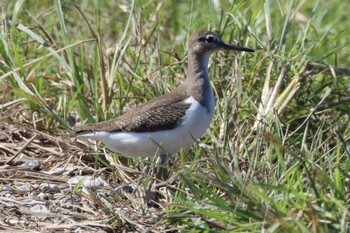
(210,39)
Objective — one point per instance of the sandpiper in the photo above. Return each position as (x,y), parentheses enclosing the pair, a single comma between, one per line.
(173,121)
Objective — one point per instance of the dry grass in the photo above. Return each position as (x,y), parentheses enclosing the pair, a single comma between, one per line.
(276,158)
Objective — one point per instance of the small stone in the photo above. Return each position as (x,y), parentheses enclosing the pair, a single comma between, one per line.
(44,196)
(41,195)
(67,191)
(123,188)
(40,209)
(8,195)
(4,138)
(6,188)
(32,164)
(49,188)
(122,191)
(74,200)
(23,188)
(88,181)
(14,221)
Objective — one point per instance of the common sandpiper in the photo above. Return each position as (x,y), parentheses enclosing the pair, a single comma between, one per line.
(165,125)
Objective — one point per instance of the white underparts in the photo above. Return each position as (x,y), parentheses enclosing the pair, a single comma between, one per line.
(193,125)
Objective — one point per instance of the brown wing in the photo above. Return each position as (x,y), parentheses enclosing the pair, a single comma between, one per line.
(153,116)
(160,118)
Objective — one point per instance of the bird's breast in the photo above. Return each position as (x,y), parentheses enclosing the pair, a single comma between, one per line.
(197,118)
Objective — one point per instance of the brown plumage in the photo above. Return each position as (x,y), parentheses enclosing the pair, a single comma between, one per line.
(167,111)
(150,117)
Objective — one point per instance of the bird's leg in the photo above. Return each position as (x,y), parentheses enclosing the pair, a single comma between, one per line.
(162,171)
(152,195)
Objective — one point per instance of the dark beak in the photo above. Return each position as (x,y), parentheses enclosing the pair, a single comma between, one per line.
(234,47)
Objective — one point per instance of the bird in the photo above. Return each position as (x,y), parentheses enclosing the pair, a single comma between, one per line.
(165,125)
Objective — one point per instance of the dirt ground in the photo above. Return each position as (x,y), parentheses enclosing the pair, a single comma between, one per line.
(48,184)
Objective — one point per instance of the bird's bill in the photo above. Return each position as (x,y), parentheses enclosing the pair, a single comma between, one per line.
(235,47)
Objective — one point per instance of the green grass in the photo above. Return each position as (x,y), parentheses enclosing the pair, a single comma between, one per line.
(276,158)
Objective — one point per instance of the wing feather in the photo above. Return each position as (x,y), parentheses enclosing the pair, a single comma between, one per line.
(153,116)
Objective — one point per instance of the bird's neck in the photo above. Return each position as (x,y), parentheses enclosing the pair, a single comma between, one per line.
(197,82)
(198,66)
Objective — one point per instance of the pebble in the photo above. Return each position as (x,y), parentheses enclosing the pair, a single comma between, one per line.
(74,200)
(6,188)
(39,209)
(16,221)
(49,188)
(32,164)
(45,196)
(8,195)
(23,188)
(4,138)
(123,188)
(88,181)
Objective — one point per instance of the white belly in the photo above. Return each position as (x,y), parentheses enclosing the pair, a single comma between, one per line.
(194,125)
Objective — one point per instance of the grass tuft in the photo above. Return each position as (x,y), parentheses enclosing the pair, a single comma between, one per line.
(276,158)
